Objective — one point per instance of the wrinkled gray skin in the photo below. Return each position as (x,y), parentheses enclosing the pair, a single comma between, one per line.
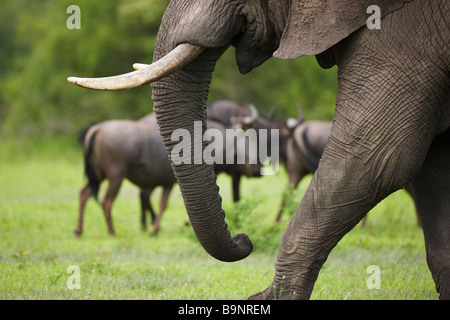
(119,149)
(391,121)
(224,112)
(304,149)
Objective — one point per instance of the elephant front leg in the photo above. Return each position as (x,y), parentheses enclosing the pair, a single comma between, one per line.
(334,203)
(344,188)
(373,151)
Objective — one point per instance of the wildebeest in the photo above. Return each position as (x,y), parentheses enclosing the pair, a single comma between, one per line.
(300,143)
(119,149)
(304,147)
(232,115)
(236,115)
(235,170)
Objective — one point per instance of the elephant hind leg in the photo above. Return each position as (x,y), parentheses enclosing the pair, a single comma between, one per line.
(431,189)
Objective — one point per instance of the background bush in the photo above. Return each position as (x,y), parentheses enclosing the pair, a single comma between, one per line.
(38,52)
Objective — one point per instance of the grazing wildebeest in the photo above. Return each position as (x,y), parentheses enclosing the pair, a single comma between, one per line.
(303,150)
(232,115)
(300,143)
(119,149)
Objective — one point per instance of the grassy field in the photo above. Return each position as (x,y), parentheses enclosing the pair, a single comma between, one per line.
(39,187)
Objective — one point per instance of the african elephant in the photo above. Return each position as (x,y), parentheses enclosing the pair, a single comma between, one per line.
(390,127)
(304,148)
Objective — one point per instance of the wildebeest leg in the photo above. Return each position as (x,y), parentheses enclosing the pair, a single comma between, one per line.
(236,181)
(163,206)
(144,196)
(431,190)
(111,194)
(294,180)
(363,222)
(85,193)
(297,168)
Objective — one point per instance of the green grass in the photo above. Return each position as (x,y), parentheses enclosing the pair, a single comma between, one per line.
(39,187)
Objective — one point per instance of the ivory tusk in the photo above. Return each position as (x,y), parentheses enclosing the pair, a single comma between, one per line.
(173,61)
(253,114)
(137,66)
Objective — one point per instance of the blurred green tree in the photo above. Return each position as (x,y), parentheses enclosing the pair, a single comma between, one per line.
(38,52)
(284,84)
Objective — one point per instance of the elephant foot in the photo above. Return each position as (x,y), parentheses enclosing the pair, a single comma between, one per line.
(283,291)
(267,294)
(275,292)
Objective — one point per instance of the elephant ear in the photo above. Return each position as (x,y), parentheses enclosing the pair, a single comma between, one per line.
(314,26)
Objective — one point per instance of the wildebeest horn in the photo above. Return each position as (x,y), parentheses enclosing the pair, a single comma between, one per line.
(272,112)
(173,61)
(253,114)
(291,123)
(301,117)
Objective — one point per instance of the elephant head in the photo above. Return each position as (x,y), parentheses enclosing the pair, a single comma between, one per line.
(192,37)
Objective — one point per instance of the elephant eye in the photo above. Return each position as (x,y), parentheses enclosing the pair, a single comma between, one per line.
(238,36)
(244,27)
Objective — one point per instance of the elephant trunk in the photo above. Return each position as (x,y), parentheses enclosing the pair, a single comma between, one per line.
(179,101)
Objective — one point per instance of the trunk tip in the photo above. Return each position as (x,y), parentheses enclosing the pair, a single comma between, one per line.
(244,247)
(243,241)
